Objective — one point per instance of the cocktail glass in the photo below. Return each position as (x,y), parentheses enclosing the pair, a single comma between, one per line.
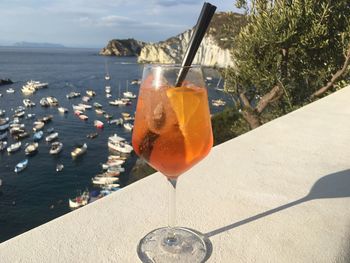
(172,132)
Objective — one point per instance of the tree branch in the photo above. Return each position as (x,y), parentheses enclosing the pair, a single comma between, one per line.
(274,94)
(245,101)
(335,77)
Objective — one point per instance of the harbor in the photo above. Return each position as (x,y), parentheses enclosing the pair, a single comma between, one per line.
(42,190)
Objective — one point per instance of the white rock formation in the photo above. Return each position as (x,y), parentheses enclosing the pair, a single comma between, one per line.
(173,50)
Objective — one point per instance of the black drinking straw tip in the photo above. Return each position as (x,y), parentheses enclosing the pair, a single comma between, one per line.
(201,27)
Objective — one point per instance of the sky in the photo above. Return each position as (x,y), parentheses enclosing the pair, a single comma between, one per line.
(92,23)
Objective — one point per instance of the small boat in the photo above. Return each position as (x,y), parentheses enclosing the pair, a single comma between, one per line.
(19,114)
(52,137)
(10,90)
(85,106)
(117,102)
(83,117)
(4,124)
(86,98)
(108,95)
(59,167)
(98,124)
(44,103)
(14,147)
(100,111)
(218,102)
(52,101)
(20,136)
(79,151)
(78,112)
(3,145)
(80,200)
(56,147)
(77,107)
(113,157)
(128,126)
(97,105)
(72,95)
(62,110)
(36,84)
(38,136)
(136,82)
(28,90)
(21,166)
(117,168)
(104,180)
(108,89)
(38,125)
(118,121)
(28,103)
(31,148)
(92,135)
(125,114)
(2,112)
(91,93)
(130,118)
(107,77)
(3,136)
(129,95)
(108,116)
(46,119)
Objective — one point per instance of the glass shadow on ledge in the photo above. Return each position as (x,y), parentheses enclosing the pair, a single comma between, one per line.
(335,185)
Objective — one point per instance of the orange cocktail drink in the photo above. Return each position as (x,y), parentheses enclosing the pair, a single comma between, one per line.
(172,129)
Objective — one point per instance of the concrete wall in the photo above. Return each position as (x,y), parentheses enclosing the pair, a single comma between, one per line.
(280,193)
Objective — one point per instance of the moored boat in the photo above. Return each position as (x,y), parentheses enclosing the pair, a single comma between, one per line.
(92,135)
(28,103)
(10,90)
(97,105)
(21,166)
(91,93)
(62,110)
(14,147)
(104,180)
(59,167)
(56,147)
(98,124)
(128,126)
(52,137)
(79,151)
(80,200)
(38,136)
(83,117)
(31,148)
(100,111)
(38,125)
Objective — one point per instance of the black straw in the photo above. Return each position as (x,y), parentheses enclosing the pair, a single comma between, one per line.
(201,27)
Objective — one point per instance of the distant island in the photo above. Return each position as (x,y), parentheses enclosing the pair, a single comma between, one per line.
(37,45)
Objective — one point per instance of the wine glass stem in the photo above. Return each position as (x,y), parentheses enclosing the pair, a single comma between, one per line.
(172,211)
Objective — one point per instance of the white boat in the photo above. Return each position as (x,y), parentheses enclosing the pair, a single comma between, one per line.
(72,95)
(83,117)
(108,89)
(120,147)
(28,103)
(85,106)
(79,108)
(104,180)
(56,147)
(14,147)
(44,102)
(128,126)
(80,200)
(118,168)
(97,105)
(59,167)
(62,110)
(4,124)
(218,102)
(107,77)
(21,166)
(28,90)
(108,95)
(129,94)
(35,84)
(91,93)
(118,121)
(52,137)
(100,111)
(52,101)
(31,148)
(30,116)
(38,125)
(79,151)
(10,90)
(86,98)
(117,102)
(98,124)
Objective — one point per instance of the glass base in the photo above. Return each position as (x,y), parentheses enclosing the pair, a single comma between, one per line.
(175,245)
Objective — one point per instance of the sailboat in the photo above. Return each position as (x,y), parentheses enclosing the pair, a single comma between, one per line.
(107,76)
(128,94)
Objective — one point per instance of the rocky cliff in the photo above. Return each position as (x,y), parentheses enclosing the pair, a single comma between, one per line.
(173,50)
(122,48)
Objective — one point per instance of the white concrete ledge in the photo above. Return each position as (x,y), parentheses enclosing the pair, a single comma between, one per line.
(280,193)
